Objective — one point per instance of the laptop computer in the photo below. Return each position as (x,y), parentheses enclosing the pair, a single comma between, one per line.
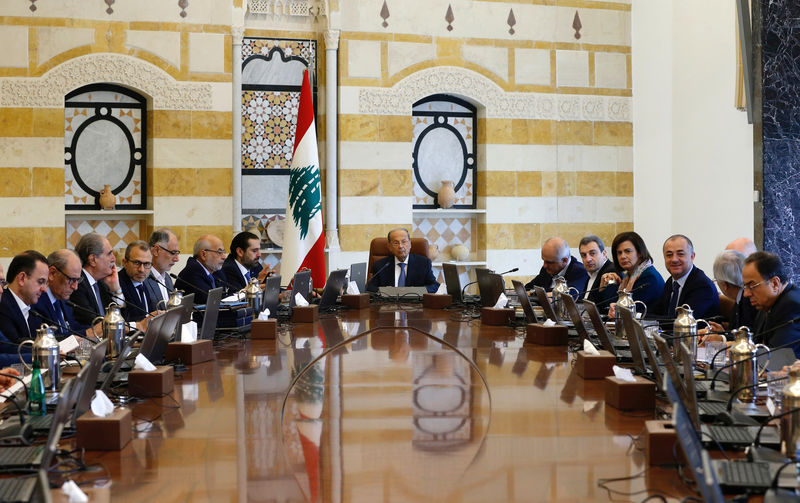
(154,346)
(187,303)
(715,476)
(301,284)
(452,281)
(40,456)
(333,288)
(113,375)
(575,318)
(490,286)
(272,295)
(524,301)
(615,346)
(544,302)
(403,292)
(358,273)
(28,489)
(211,314)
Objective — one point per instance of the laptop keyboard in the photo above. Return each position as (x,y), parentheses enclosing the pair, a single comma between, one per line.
(40,422)
(745,474)
(730,434)
(712,408)
(17,456)
(18,489)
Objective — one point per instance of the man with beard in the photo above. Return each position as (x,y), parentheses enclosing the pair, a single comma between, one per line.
(243,263)
(198,275)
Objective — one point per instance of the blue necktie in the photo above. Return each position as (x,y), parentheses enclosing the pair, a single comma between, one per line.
(401,281)
(142,297)
(59,315)
(211,279)
(247,276)
(673,300)
(102,310)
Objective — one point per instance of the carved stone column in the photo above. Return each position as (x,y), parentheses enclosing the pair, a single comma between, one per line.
(237,34)
(331,144)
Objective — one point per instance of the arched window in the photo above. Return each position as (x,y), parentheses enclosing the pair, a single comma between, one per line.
(444,149)
(105,145)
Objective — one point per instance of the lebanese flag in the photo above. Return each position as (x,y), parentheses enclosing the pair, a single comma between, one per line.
(304,238)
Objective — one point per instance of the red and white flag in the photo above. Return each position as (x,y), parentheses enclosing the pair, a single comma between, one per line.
(304,238)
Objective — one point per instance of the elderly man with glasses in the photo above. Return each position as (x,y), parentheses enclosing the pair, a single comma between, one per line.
(198,277)
(166,253)
(100,285)
(777,300)
(64,276)
(135,269)
(27,281)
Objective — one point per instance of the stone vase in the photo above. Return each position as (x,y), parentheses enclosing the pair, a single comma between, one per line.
(460,253)
(107,198)
(447,194)
(433,252)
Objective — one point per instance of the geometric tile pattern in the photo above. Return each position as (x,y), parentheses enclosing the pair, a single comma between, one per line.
(445,233)
(465,127)
(269,121)
(260,222)
(306,49)
(118,232)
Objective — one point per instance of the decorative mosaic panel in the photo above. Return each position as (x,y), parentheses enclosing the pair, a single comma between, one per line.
(444,149)
(305,49)
(445,233)
(269,122)
(118,232)
(259,223)
(104,147)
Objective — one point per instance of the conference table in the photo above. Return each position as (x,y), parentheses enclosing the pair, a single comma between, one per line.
(391,403)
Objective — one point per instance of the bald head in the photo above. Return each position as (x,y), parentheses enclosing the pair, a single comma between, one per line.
(555,255)
(209,251)
(745,246)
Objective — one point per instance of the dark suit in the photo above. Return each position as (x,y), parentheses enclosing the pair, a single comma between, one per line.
(45,307)
(231,274)
(418,273)
(12,322)
(8,352)
(785,308)
(575,275)
(744,314)
(153,289)
(84,296)
(698,291)
(603,298)
(135,309)
(194,274)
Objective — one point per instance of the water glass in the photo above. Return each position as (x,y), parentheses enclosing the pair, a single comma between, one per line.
(775,383)
(712,348)
(83,351)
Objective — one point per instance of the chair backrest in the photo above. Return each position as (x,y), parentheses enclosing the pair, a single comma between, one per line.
(379,248)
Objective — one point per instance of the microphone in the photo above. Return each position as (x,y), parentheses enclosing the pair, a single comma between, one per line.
(129,303)
(84,309)
(161,283)
(735,392)
(757,440)
(510,271)
(375,274)
(727,365)
(639,287)
(57,324)
(198,288)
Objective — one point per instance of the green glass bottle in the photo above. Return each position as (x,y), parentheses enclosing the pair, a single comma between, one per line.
(36,397)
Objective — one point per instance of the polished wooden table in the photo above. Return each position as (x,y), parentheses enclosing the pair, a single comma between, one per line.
(417,405)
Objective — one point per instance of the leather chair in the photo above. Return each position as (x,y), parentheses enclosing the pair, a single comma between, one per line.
(379,248)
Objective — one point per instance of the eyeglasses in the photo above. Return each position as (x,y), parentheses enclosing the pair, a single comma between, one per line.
(138,263)
(3,283)
(70,279)
(752,286)
(174,253)
(220,252)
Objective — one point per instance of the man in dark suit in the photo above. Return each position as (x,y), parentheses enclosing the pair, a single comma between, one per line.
(100,284)
(728,275)
(8,350)
(558,262)
(777,300)
(243,263)
(64,275)
(135,269)
(27,275)
(164,248)
(687,284)
(403,268)
(596,263)
(198,275)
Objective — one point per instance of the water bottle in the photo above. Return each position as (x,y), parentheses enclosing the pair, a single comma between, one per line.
(36,396)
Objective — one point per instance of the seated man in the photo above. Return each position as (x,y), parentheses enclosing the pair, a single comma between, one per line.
(728,275)
(135,268)
(777,301)
(687,284)
(28,280)
(243,263)
(64,275)
(100,285)
(402,268)
(596,263)
(198,276)
(164,248)
(8,350)
(558,262)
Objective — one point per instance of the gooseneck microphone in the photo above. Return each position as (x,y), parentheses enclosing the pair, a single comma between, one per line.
(161,283)
(38,314)
(757,440)
(509,271)
(198,288)
(731,364)
(376,273)
(735,392)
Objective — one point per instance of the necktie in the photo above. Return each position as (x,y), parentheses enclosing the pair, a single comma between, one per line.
(142,297)
(59,314)
(401,281)
(211,280)
(247,277)
(101,309)
(673,300)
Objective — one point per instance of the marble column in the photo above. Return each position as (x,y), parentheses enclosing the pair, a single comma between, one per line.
(331,144)
(780,129)
(237,34)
